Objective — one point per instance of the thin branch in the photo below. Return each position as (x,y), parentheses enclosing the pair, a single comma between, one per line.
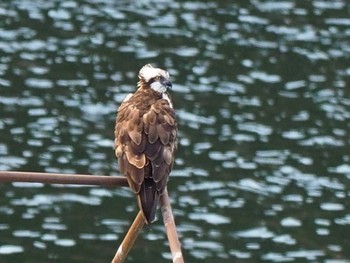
(55,178)
(170,227)
(129,239)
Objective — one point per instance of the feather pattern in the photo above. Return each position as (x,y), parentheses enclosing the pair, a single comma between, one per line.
(145,142)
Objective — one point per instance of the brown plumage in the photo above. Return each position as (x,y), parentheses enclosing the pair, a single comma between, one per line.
(145,138)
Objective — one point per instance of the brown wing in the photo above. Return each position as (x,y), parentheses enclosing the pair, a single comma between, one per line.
(160,130)
(145,141)
(130,144)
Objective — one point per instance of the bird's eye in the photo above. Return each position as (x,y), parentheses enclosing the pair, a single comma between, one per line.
(157,78)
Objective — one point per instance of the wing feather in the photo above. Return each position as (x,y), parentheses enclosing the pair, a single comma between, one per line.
(123,163)
(138,161)
(163,134)
(158,171)
(136,175)
(162,141)
(168,155)
(152,150)
(139,148)
(152,133)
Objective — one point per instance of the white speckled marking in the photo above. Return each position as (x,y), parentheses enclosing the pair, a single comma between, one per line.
(127,97)
(166,97)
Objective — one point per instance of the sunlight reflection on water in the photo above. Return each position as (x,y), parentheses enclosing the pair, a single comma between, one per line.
(262,105)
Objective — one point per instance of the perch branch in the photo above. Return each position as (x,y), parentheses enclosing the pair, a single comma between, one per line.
(55,178)
(169,223)
(129,239)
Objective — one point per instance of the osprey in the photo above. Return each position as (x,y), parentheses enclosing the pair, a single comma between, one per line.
(145,138)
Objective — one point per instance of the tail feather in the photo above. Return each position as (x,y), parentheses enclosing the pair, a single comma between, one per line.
(148,199)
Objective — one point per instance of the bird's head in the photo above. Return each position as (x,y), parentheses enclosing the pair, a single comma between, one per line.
(156,78)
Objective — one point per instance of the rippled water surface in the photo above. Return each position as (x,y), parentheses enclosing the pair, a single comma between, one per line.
(261,90)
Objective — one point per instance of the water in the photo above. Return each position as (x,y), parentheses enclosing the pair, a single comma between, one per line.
(260,87)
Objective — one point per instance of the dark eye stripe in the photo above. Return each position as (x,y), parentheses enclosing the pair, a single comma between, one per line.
(155,79)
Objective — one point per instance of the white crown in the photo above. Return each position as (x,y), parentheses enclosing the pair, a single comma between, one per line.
(147,72)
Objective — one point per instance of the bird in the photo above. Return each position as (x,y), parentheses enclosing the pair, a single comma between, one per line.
(146,138)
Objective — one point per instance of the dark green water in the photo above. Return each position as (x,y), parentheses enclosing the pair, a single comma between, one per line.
(261,90)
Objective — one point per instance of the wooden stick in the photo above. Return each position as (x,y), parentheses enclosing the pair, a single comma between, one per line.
(170,227)
(55,178)
(129,239)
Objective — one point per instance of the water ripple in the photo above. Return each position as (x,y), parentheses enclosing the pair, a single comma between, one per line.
(260,91)
(10,249)
(214,219)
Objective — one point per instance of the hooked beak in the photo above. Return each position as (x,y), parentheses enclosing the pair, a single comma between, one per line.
(167,84)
